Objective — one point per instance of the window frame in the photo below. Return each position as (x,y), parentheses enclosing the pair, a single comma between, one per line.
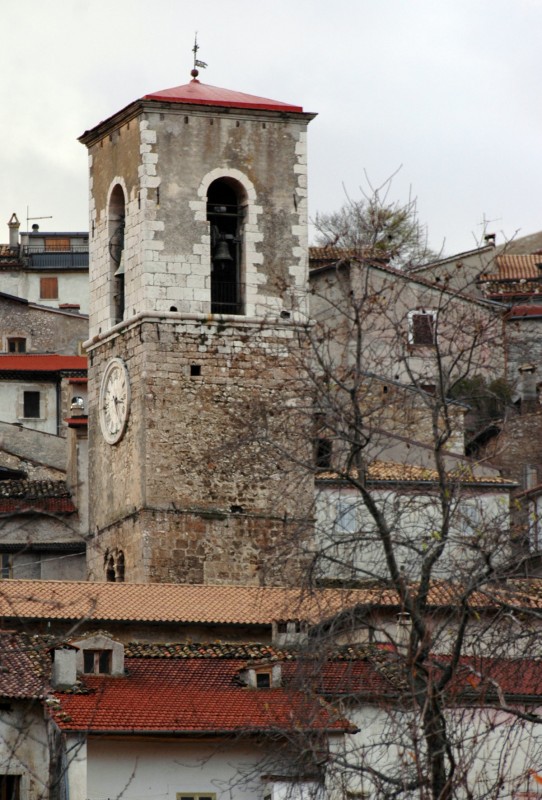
(16,340)
(7,792)
(28,392)
(195,796)
(99,657)
(413,335)
(49,287)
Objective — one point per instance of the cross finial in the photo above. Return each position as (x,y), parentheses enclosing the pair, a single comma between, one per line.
(197,63)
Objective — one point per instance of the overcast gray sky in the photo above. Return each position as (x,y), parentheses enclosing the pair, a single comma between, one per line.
(448,90)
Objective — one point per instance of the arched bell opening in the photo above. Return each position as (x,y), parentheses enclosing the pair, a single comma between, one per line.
(116,218)
(225,213)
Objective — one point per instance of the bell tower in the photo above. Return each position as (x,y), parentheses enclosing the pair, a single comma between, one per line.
(198,283)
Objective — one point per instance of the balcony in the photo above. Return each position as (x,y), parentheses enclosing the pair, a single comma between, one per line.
(40,257)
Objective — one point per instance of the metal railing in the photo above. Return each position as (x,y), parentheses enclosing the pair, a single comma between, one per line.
(226,297)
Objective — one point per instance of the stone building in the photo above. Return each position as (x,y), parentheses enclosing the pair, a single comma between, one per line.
(198,287)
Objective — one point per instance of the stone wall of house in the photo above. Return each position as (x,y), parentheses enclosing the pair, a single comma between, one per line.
(523,337)
(45,331)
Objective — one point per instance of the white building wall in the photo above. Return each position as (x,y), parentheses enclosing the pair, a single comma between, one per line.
(12,404)
(24,749)
(350,547)
(163,768)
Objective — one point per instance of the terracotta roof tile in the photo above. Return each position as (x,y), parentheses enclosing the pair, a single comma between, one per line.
(192,696)
(35,495)
(24,666)
(103,602)
(514,267)
(42,363)
(399,472)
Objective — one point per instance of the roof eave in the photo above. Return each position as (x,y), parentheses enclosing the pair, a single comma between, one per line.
(132,110)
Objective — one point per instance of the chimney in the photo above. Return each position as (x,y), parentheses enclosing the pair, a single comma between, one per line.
(14,226)
(490,239)
(63,674)
(527,388)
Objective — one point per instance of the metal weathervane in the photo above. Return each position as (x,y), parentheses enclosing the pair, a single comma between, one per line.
(197,62)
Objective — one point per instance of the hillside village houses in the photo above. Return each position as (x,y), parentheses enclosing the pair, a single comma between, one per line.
(219,590)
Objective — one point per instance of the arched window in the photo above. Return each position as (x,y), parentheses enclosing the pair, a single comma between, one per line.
(114,566)
(110,570)
(117,212)
(225,213)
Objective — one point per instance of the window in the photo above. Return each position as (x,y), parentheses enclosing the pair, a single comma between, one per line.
(31,405)
(10,787)
(182,796)
(97,662)
(57,244)
(346,515)
(225,213)
(16,344)
(117,213)
(323,452)
(6,565)
(263,680)
(421,328)
(49,288)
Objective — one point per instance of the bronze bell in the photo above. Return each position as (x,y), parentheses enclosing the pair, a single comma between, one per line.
(222,252)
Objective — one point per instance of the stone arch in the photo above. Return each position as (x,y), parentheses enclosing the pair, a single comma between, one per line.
(226,207)
(116,217)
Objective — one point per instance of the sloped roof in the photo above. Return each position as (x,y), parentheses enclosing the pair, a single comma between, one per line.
(35,495)
(42,363)
(394,472)
(189,696)
(24,666)
(197,93)
(514,267)
(230,605)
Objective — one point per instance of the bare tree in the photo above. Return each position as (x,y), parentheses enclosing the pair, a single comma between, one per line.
(417,535)
(374,222)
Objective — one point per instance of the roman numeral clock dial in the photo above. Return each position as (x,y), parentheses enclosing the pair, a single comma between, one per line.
(114,400)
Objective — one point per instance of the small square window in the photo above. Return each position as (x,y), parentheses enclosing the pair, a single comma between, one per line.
(31,405)
(195,370)
(49,288)
(263,680)
(97,662)
(16,344)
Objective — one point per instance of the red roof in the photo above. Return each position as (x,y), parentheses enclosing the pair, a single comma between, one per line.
(197,93)
(189,695)
(41,363)
(24,667)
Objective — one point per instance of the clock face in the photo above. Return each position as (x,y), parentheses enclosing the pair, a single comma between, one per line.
(114,400)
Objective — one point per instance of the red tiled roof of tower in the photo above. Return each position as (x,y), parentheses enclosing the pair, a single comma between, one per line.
(189,695)
(196,93)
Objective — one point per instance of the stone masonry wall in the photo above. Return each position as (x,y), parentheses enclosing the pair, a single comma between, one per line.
(221,446)
(45,331)
(164,163)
